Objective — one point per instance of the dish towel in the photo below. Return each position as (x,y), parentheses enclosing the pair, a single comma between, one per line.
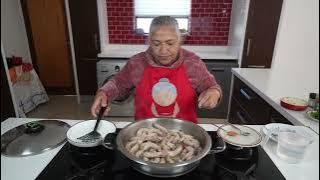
(27,88)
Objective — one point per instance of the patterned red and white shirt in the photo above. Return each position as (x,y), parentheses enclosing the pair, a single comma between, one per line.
(131,74)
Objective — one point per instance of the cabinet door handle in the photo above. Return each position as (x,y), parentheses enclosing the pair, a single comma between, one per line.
(217,70)
(245,94)
(241,118)
(248,46)
(256,66)
(88,59)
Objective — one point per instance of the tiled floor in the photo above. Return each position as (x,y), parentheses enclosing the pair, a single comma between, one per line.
(63,107)
(66,107)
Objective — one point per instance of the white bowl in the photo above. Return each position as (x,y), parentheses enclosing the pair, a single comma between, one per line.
(82,128)
(272,130)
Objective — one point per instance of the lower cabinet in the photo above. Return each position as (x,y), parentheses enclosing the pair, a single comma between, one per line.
(276,117)
(247,107)
(221,69)
(238,115)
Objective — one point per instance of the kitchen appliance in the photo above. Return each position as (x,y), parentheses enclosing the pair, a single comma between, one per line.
(106,69)
(167,170)
(99,163)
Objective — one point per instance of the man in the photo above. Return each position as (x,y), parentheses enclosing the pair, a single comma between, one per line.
(166,78)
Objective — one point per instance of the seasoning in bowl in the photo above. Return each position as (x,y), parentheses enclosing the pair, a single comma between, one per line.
(232,133)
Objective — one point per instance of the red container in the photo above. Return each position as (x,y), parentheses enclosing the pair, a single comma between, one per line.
(295,104)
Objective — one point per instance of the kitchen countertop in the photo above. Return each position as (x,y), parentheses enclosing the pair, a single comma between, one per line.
(31,166)
(204,52)
(272,86)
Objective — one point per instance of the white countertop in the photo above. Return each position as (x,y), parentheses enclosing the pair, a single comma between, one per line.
(204,52)
(272,86)
(28,168)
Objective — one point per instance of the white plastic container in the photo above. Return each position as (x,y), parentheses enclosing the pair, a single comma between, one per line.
(292,146)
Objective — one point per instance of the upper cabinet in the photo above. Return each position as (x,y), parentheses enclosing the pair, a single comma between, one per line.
(261,32)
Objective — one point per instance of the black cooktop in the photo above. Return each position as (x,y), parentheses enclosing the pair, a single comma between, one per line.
(99,163)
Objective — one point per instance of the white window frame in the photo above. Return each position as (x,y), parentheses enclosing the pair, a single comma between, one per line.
(183,20)
(127,50)
(185,30)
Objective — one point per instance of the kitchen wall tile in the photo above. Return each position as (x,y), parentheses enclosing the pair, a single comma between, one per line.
(209,23)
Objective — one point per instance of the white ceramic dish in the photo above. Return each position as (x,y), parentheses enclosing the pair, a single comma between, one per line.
(82,128)
(293,103)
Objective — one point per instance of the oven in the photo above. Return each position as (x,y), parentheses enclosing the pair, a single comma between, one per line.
(106,69)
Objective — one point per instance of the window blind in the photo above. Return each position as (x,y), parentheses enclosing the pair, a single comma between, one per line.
(153,8)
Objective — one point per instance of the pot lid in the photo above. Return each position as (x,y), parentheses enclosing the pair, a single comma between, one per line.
(33,138)
(251,140)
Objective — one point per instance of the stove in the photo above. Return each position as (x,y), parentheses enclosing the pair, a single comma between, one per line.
(99,163)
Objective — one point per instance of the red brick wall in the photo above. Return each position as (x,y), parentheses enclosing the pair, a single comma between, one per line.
(209,23)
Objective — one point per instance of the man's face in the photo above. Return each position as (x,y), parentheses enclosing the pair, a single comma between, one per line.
(165,45)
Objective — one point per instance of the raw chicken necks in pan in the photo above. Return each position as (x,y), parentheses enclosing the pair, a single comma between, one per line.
(160,145)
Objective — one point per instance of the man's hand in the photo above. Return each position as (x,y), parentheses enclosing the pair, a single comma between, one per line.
(209,98)
(100,100)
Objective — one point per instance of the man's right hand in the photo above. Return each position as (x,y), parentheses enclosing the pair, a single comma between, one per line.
(100,100)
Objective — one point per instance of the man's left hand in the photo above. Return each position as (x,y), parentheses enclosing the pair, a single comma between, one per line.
(209,98)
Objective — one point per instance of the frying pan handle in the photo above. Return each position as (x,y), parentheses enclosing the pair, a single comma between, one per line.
(110,141)
(222,146)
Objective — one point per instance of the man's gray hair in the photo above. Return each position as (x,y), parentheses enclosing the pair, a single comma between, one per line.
(164,21)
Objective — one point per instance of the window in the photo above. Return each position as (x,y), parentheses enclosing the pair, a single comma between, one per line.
(146,10)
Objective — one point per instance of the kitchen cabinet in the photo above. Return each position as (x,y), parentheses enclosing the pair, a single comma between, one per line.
(85,30)
(7,107)
(238,115)
(276,117)
(249,108)
(261,32)
(47,32)
(221,69)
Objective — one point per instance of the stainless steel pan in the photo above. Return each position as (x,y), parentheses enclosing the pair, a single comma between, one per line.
(165,170)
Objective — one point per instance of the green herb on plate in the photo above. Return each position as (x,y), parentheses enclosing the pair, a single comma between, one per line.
(314,114)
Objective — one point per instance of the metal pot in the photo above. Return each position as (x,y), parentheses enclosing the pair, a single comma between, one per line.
(165,170)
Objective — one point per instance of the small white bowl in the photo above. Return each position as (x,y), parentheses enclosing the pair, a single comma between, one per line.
(82,128)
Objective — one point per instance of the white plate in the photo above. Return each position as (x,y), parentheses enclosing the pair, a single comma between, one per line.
(82,128)
(272,130)
(251,140)
(308,114)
